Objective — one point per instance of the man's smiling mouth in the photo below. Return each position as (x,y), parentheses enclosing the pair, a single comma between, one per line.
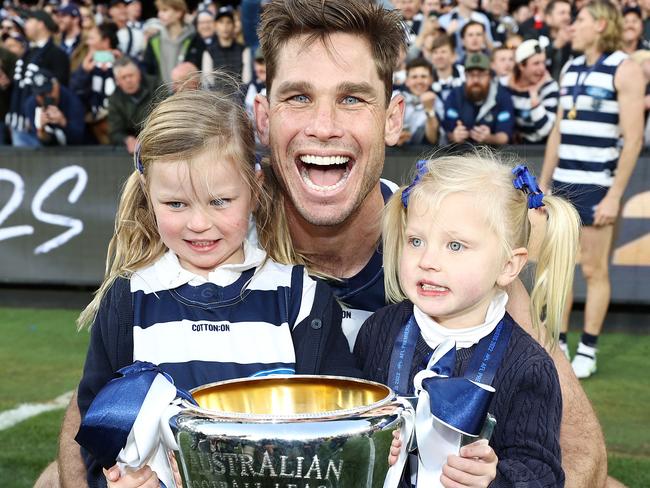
(324,173)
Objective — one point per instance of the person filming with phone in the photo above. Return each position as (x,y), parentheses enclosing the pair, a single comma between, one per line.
(56,114)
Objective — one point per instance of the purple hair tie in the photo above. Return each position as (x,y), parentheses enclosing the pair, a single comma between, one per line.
(138,160)
(421,169)
(527,183)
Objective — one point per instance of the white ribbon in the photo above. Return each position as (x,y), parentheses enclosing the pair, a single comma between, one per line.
(395,472)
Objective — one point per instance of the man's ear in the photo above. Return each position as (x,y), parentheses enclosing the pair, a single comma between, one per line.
(394,120)
(513,266)
(261,109)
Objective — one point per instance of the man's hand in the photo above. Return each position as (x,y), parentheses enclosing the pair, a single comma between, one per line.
(460,133)
(475,467)
(404,137)
(606,211)
(480,133)
(55,116)
(88,64)
(428,98)
(4,80)
(562,37)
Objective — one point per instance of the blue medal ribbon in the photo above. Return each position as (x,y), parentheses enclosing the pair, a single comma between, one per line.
(579,83)
(110,418)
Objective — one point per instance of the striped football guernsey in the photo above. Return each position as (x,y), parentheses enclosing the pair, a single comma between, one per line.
(535,124)
(590,143)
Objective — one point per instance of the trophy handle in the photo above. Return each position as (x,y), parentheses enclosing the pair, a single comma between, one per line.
(395,471)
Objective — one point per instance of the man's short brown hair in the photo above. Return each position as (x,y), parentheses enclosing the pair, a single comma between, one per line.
(283,20)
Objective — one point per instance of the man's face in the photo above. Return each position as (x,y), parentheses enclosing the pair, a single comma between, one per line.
(584,31)
(408,8)
(442,57)
(632,27)
(469,4)
(33,28)
(327,124)
(64,22)
(205,26)
(429,6)
(134,10)
(560,16)
(474,39)
(477,84)
(169,16)
(534,68)
(118,13)
(504,62)
(127,78)
(260,71)
(418,80)
(498,7)
(225,27)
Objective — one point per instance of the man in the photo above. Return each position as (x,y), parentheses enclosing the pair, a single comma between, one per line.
(130,104)
(534,94)
(600,106)
(413,18)
(56,114)
(447,74)
(454,20)
(205,36)
(502,62)
(131,40)
(535,26)
(420,120)
(480,111)
(473,37)
(69,21)
(258,84)
(557,37)
(227,54)
(501,23)
(633,30)
(42,54)
(331,103)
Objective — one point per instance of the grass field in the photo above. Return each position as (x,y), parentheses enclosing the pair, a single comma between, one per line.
(42,357)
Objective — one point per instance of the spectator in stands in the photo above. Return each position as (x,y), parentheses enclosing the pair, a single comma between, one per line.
(131,41)
(481,110)
(473,38)
(642,58)
(431,7)
(501,24)
(185,76)
(453,21)
(447,75)
(429,30)
(134,14)
(557,37)
(534,94)
(258,85)
(15,43)
(130,103)
(43,54)
(633,30)
(168,48)
(56,115)
(502,62)
(227,54)
(7,64)
(87,19)
(420,120)
(205,36)
(69,20)
(644,5)
(535,25)
(413,18)
(93,82)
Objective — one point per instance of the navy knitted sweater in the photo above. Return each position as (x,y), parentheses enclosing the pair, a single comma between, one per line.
(527,403)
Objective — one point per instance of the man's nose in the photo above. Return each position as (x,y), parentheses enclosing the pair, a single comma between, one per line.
(323,125)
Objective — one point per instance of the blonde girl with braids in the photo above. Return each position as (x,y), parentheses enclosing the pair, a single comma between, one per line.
(453,241)
(185,287)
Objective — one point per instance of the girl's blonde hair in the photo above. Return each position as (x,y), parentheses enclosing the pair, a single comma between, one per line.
(179,128)
(484,175)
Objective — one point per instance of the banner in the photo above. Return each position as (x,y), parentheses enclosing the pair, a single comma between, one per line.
(57,212)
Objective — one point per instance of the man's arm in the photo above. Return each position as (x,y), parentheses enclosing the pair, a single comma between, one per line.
(584,458)
(72,471)
(551,154)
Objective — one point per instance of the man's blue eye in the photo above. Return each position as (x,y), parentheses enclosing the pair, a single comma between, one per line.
(350,100)
(455,246)
(300,98)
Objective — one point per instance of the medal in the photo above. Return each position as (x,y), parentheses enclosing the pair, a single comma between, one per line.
(573,113)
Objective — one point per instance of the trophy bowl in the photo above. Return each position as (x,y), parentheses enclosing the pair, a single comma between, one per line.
(287,432)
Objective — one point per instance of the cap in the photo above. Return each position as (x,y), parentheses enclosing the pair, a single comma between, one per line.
(632,9)
(477,61)
(42,82)
(204,12)
(527,49)
(259,55)
(71,9)
(44,17)
(113,3)
(225,11)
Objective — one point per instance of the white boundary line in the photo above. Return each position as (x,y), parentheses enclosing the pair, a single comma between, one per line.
(9,418)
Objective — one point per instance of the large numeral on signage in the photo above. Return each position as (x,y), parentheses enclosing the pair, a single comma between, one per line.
(75,226)
(12,204)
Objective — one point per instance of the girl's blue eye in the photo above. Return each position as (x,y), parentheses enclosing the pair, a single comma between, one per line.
(175,205)
(220,202)
(455,246)
(415,242)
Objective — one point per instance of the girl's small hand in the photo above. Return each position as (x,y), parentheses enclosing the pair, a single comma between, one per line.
(142,478)
(395,448)
(475,467)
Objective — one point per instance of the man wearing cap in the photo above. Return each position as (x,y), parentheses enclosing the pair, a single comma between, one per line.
(56,114)
(43,54)
(227,54)
(131,41)
(480,111)
(205,36)
(534,94)
(69,20)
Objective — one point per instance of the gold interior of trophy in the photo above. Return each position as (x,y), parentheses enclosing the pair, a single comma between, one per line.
(289,395)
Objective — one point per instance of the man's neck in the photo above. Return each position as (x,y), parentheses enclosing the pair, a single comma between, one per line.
(72,33)
(342,250)
(42,39)
(592,54)
(630,46)
(225,41)
(445,73)
(464,12)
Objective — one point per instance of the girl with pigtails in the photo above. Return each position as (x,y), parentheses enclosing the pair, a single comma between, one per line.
(452,241)
(186,291)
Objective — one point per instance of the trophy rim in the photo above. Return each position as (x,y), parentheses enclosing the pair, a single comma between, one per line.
(225,415)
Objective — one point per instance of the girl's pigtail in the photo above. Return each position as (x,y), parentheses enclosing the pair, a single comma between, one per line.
(555,267)
(393,225)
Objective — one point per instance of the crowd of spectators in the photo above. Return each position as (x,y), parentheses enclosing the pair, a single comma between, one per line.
(475,72)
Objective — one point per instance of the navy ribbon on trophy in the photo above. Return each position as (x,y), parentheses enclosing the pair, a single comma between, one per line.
(127,421)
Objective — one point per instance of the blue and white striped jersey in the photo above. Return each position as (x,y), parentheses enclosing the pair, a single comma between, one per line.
(590,143)
(535,124)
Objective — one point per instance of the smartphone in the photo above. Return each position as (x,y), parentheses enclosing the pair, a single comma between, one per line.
(103,57)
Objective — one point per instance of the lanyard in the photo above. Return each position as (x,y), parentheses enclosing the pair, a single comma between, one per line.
(579,83)
(483,365)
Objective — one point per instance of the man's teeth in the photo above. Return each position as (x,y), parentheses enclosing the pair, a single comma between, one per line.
(324,160)
(426,287)
(314,186)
